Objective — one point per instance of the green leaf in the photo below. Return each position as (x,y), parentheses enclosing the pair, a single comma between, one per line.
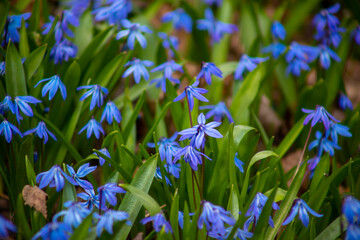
(130,203)
(279,196)
(84,32)
(35,16)
(107,141)
(21,219)
(233,204)
(82,231)
(174,212)
(30,173)
(333,231)
(148,202)
(14,77)
(23,43)
(131,155)
(4,12)
(33,61)
(134,115)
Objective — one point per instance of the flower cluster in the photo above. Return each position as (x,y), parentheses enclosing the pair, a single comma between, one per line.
(351,210)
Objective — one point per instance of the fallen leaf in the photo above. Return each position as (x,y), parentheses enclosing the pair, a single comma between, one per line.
(36,198)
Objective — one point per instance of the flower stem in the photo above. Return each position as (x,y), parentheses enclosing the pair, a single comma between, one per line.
(302,153)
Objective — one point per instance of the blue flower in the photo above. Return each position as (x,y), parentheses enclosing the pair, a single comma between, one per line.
(55,177)
(218,111)
(238,163)
(5,227)
(173,169)
(214,217)
(167,68)
(216,29)
(338,129)
(169,42)
(52,86)
(326,18)
(133,31)
(106,221)
(138,69)
(325,56)
(167,147)
(197,133)
(318,115)
(13,25)
(352,232)
(240,233)
(62,27)
(247,63)
(82,172)
(96,91)
(6,105)
(276,49)
(22,103)
(54,230)
(208,69)
(355,34)
(63,51)
(93,126)
(107,193)
(7,129)
(111,112)
(74,214)
(330,37)
(191,156)
(106,153)
(296,66)
(300,52)
(351,209)
(313,162)
(180,19)
(2,68)
(113,13)
(159,222)
(41,131)
(159,176)
(190,92)
(213,2)
(90,198)
(344,102)
(300,206)
(322,143)
(278,30)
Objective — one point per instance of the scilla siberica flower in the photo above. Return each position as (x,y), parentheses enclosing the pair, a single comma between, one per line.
(355,34)
(90,198)
(214,217)
(6,105)
(344,102)
(63,51)
(106,153)
(300,207)
(191,156)
(13,25)
(326,54)
(351,209)
(218,3)
(168,68)
(169,42)
(278,30)
(74,214)
(6,227)
(180,19)
(107,193)
(173,169)
(111,112)
(159,176)
(318,115)
(238,163)
(91,127)
(22,103)
(276,49)
(81,172)
(133,31)
(190,92)
(247,63)
(54,230)
(159,222)
(106,221)
(62,27)
(322,143)
(113,13)
(338,129)
(208,69)
(298,56)
(167,147)
(326,18)
(218,111)
(7,129)
(2,68)
(198,132)
(41,131)
(52,86)
(96,91)
(55,177)
(138,69)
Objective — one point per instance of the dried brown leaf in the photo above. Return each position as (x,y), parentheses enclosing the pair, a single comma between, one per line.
(36,198)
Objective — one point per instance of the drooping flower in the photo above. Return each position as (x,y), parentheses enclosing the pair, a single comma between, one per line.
(13,26)
(91,127)
(62,27)
(214,217)
(158,175)
(96,91)
(247,63)
(81,172)
(180,19)
(22,103)
(167,147)
(198,132)
(338,129)
(344,102)
(6,227)
(167,69)
(276,49)
(52,86)
(107,220)
(90,198)
(74,214)
(6,105)
(242,234)
(173,169)
(169,42)
(218,3)
(326,18)
(55,177)
(318,115)
(190,92)
(138,69)
(54,230)
(159,222)
(111,112)
(113,13)
(325,56)
(133,31)
(7,129)
(278,30)
(300,207)
(352,232)
(106,153)
(207,70)
(351,209)
(2,68)
(41,131)
(107,193)
(323,143)
(330,37)
(191,156)
(63,51)
(218,111)
(299,56)
(238,163)
(355,34)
